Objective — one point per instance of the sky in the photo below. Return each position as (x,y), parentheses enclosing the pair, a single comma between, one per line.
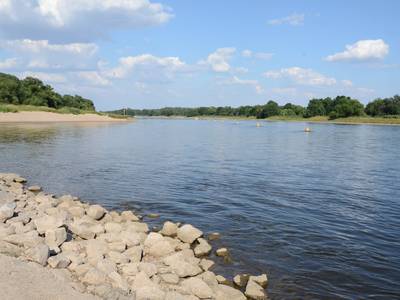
(150,54)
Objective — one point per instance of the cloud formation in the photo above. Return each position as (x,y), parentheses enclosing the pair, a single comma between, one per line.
(362,50)
(77,20)
(219,60)
(259,55)
(249,82)
(294,19)
(301,76)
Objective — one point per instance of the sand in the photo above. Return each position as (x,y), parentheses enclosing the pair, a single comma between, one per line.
(43,117)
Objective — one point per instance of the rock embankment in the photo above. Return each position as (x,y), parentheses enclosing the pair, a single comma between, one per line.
(109,254)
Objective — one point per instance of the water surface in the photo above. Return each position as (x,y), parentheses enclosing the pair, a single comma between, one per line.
(319,212)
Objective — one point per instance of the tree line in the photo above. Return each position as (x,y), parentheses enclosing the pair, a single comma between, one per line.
(338,107)
(32,91)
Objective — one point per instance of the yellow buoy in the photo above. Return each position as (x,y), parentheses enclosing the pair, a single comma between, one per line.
(307,129)
(258,124)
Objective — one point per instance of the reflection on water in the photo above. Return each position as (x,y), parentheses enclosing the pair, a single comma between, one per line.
(319,212)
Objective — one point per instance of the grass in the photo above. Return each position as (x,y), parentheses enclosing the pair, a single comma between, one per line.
(7,108)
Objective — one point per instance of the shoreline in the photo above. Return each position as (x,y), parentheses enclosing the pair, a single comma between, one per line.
(341,121)
(107,254)
(52,117)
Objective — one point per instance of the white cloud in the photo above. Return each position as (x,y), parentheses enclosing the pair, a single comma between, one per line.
(301,76)
(41,54)
(47,77)
(347,83)
(293,19)
(247,53)
(219,60)
(259,55)
(8,63)
(147,66)
(94,78)
(250,82)
(361,51)
(76,19)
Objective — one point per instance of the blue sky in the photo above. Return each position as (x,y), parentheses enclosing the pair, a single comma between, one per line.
(147,54)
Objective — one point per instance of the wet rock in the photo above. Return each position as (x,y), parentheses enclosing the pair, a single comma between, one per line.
(262,280)
(254,291)
(169,229)
(129,216)
(222,280)
(38,254)
(222,252)
(7,211)
(35,189)
(203,248)
(188,234)
(206,264)
(214,236)
(241,280)
(95,211)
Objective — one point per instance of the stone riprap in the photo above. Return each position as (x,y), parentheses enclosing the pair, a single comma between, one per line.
(113,255)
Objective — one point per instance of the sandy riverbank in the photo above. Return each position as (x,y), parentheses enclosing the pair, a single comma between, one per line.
(44,117)
(62,248)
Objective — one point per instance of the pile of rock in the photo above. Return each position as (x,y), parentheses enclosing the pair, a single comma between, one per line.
(113,255)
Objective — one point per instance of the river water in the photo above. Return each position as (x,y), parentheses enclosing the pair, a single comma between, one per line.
(318,212)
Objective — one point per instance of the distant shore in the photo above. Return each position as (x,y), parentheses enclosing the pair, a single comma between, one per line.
(317,119)
(52,117)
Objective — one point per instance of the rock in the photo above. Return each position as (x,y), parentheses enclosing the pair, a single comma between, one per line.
(170,278)
(117,246)
(19,179)
(7,211)
(241,280)
(94,277)
(134,254)
(137,227)
(48,223)
(181,265)
(214,236)
(10,249)
(38,254)
(55,237)
(255,291)
(106,266)
(222,280)
(35,189)
(261,280)
(118,282)
(76,211)
(203,248)
(149,268)
(206,264)
(129,216)
(130,269)
(113,227)
(225,292)
(117,257)
(95,211)
(153,216)
(188,234)
(222,252)
(29,239)
(150,293)
(169,229)
(96,249)
(59,261)
(84,230)
(152,239)
(160,249)
(198,288)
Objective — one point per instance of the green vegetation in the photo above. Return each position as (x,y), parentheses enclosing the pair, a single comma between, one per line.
(33,92)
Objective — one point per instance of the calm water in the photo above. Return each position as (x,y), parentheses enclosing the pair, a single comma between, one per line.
(318,212)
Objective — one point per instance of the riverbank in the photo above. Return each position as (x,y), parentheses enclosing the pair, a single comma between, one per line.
(44,117)
(108,254)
